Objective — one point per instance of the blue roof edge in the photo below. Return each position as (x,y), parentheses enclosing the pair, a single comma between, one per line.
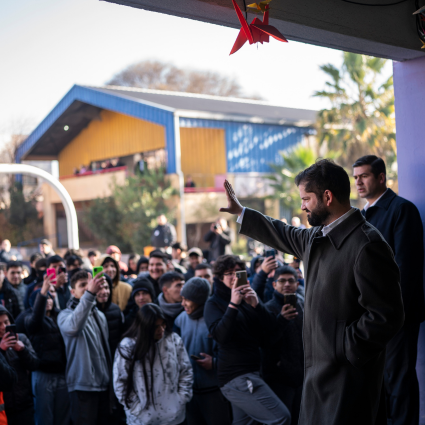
(121,104)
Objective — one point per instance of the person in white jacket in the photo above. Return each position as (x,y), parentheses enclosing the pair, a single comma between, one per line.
(152,372)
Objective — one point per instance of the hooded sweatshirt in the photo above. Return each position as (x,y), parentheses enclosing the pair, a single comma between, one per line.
(85,332)
(20,396)
(172,386)
(121,291)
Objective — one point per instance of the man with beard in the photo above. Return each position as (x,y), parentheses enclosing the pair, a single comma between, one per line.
(353,304)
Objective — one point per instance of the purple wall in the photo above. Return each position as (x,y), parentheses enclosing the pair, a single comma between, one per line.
(409,87)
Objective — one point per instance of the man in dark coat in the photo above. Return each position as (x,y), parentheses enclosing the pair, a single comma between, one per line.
(164,234)
(400,224)
(8,296)
(220,238)
(353,304)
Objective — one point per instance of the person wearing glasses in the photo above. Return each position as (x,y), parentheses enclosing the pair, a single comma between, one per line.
(283,362)
(241,325)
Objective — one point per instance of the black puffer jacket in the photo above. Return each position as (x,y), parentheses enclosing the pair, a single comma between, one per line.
(23,362)
(10,298)
(44,334)
(284,360)
(115,319)
(9,378)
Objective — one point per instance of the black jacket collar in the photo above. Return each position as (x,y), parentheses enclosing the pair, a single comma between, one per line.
(341,232)
(385,200)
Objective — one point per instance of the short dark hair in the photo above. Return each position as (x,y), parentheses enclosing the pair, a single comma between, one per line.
(285,270)
(42,262)
(224,263)
(179,245)
(72,259)
(35,256)
(158,254)
(13,264)
(55,259)
(326,175)
(92,254)
(377,164)
(80,275)
(240,263)
(203,266)
(167,279)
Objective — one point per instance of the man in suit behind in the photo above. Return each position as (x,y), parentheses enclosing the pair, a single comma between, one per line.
(400,224)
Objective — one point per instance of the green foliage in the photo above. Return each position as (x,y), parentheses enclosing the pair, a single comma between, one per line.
(282,181)
(128,217)
(20,222)
(361,119)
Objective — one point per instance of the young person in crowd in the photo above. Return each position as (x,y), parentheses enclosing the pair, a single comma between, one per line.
(40,267)
(73,262)
(33,272)
(177,250)
(5,256)
(121,291)
(48,381)
(142,265)
(63,293)
(399,222)
(19,354)
(8,296)
(241,325)
(255,268)
(262,283)
(93,256)
(143,293)
(45,247)
(170,298)
(219,237)
(14,277)
(156,268)
(116,254)
(204,270)
(164,234)
(9,378)
(132,266)
(152,374)
(112,312)
(283,361)
(195,257)
(208,405)
(85,332)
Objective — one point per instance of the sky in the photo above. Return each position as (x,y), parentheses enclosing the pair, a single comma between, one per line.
(47,46)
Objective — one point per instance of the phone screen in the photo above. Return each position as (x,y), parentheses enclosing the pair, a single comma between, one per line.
(11,329)
(271,253)
(195,357)
(52,272)
(290,299)
(242,280)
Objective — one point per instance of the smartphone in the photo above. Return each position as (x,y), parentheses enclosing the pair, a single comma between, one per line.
(97,270)
(290,299)
(52,272)
(271,253)
(195,357)
(62,270)
(11,329)
(242,279)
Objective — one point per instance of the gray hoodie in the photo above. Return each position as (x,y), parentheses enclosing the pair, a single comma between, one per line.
(83,326)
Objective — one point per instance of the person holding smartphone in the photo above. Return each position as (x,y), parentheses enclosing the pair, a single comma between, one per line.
(283,362)
(241,325)
(208,406)
(18,352)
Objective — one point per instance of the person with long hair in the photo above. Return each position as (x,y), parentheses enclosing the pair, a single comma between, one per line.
(152,372)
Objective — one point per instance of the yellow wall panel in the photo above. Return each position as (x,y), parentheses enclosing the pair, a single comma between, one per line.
(114,135)
(203,154)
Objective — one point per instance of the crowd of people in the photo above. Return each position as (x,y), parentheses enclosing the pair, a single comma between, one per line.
(177,338)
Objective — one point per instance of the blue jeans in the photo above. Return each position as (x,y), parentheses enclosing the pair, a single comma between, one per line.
(51,399)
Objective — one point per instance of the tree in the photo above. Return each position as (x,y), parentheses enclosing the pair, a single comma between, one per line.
(361,119)
(128,217)
(165,76)
(282,181)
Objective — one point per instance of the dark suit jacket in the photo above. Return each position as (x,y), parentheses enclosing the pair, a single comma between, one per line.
(400,224)
(353,308)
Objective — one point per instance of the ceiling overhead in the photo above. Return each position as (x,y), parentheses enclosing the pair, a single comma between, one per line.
(383,31)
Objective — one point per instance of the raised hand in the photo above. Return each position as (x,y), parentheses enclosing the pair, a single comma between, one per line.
(233,205)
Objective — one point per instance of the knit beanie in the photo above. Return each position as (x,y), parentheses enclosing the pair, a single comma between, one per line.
(196,290)
(143,284)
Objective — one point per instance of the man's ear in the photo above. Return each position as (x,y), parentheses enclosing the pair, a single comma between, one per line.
(382,178)
(72,292)
(328,197)
(274,284)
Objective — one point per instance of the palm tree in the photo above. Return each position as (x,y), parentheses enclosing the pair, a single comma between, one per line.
(282,180)
(361,119)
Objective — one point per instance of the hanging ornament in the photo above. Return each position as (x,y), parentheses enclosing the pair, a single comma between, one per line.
(258,31)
